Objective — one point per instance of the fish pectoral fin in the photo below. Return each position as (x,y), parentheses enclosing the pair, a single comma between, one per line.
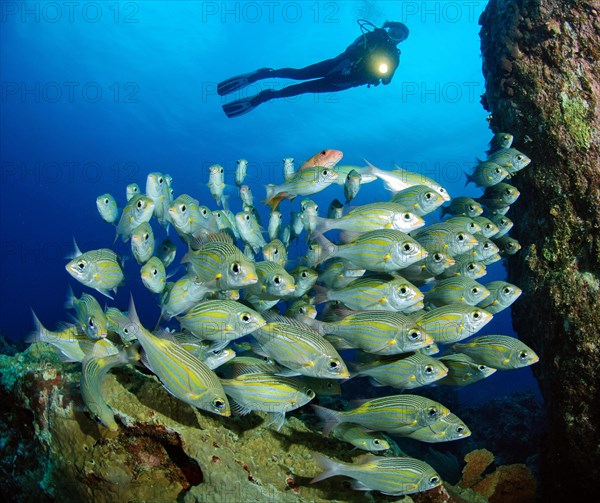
(359,486)
(276,418)
(239,408)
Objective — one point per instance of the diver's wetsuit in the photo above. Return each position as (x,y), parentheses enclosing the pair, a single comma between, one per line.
(358,65)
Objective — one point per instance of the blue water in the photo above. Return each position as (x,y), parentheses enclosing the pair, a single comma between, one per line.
(97,95)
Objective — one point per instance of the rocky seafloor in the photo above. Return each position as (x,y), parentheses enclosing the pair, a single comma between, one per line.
(166,450)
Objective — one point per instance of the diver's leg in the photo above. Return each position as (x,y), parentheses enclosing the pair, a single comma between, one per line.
(327,85)
(321,69)
(312,86)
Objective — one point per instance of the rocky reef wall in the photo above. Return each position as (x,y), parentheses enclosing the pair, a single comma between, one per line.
(542,71)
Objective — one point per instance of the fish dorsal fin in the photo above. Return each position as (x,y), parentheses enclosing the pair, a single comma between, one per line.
(219,237)
(76,251)
(278,318)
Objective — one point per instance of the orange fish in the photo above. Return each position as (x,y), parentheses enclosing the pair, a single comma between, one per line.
(326,158)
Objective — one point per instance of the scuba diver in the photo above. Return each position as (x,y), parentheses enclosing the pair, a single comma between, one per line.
(371,59)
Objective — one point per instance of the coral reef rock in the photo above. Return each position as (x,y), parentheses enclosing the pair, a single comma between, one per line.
(540,62)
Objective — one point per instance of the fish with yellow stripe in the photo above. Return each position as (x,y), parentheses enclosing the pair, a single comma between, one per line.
(408,372)
(300,349)
(379,332)
(181,373)
(97,269)
(221,321)
(220,263)
(498,351)
(456,290)
(453,322)
(392,414)
(463,370)
(360,438)
(445,429)
(70,340)
(373,293)
(384,250)
(372,217)
(93,371)
(391,476)
(268,393)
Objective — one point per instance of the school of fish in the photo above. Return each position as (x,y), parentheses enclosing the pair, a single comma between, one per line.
(244,328)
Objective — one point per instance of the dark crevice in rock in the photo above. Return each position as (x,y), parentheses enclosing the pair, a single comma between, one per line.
(152,446)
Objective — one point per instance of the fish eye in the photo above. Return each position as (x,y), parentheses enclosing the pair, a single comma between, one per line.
(414,335)
(475,290)
(403,290)
(506,290)
(246,317)
(437,257)
(91,323)
(428,195)
(461,237)
(506,138)
(277,280)
(407,247)
(154,272)
(486,246)
(376,441)
(471,267)
(433,412)
(503,221)
(325,172)
(204,211)
(334,364)
(160,180)
(519,157)
(476,315)
(523,355)
(459,429)
(81,265)
(324,152)
(471,207)
(406,216)
(275,251)
(126,331)
(221,170)
(442,189)
(304,274)
(498,171)
(146,236)
(140,204)
(429,369)
(247,217)
(106,201)
(236,268)
(434,480)
(219,403)
(183,207)
(481,368)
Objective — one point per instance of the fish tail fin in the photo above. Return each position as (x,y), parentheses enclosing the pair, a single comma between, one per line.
(369,169)
(135,326)
(444,210)
(329,418)
(330,467)
(70,302)
(469,179)
(39,331)
(324,224)
(328,249)
(321,294)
